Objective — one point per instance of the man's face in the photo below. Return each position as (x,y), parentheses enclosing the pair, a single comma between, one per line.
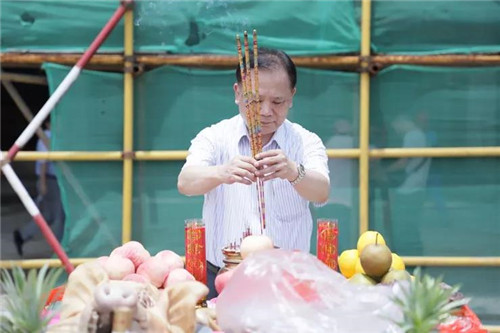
(276,99)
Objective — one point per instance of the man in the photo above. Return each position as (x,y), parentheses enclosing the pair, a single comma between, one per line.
(48,200)
(409,196)
(293,165)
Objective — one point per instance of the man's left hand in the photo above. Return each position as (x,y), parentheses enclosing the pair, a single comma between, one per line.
(275,164)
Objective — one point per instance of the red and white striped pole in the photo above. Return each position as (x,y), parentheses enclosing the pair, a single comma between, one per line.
(67,82)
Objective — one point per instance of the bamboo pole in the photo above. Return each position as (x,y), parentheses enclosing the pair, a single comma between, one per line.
(128,127)
(453,261)
(172,155)
(492,328)
(24,78)
(327,61)
(210,60)
(364,118)
(409,261)
(439,59)
(343,153)
(436,152)
(68,155)
(180,155)
(13,58)
(38,263)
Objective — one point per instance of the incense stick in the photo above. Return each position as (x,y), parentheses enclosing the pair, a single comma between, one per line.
(252,105)
(260,182)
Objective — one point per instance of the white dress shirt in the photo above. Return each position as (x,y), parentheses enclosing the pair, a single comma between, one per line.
(229,209)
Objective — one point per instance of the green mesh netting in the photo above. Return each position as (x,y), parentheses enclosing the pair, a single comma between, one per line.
(432,27)
(300,27)
(455,107)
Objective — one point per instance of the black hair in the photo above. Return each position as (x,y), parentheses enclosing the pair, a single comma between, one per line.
(272,59)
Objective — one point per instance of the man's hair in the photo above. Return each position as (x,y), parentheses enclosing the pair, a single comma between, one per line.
(271,59)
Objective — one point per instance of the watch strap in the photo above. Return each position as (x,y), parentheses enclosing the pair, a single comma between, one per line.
(302,172)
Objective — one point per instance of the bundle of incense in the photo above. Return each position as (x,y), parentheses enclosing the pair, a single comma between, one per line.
(252,105)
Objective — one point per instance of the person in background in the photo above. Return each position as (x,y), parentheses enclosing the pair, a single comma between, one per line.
(293,165)
(408,198)
(48,200)
(342,180)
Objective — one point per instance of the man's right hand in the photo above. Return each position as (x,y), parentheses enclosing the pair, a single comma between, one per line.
(240,169)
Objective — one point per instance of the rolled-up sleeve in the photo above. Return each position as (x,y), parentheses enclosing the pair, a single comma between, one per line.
(202,149)
(315,157)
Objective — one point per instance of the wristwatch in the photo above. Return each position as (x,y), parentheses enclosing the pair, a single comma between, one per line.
(302,172)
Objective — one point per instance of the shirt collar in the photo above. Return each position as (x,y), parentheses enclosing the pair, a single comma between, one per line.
(278,137)
(241,129)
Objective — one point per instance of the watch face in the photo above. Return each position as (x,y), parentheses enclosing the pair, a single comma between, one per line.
(302,170)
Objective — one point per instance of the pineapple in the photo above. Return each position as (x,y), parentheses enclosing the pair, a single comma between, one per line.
(425,303)
(23,299)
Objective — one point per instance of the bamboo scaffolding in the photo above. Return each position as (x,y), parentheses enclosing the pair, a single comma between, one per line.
(68,81)
(491,328)
(438,59)
(35,123)
(209,60)
(364,119)
(24,78)
(409,261)
(68,156)
(452,261)
(38,263)
(180,155)
(436,152)
(165,155)
(128,127)
(66,171)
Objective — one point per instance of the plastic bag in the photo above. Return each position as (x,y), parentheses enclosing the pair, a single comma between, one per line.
(282,291)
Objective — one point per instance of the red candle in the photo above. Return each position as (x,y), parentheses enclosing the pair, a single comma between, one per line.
(327,244)
(196,263)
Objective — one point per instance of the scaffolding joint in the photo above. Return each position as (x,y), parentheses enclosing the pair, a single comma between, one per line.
(367,65)
(127,4)
(131,65)
(128,155)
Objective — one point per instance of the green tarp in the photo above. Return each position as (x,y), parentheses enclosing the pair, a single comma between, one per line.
(299,27)
(433,27)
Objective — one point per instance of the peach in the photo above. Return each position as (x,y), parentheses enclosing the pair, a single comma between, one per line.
(170,258)
(222,279)
(177,275)
(102,260)
(133,251)
(118,267)
(155,269)
(136,278)
(255,243)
